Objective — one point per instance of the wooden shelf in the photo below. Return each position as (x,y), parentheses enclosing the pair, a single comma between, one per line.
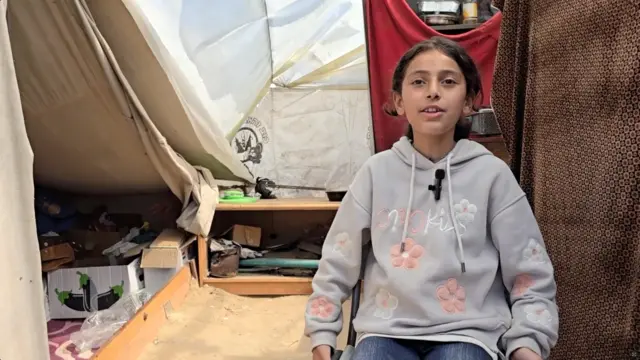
(456,27)
(263,285)
(283,205)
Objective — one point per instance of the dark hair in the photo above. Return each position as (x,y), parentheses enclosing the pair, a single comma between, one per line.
(459,55)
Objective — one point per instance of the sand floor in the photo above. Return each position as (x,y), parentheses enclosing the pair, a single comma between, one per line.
(213,324)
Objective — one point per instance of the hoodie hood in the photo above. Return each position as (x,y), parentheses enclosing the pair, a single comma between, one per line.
(463,151)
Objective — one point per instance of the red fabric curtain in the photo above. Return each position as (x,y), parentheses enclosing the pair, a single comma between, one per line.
(392,29)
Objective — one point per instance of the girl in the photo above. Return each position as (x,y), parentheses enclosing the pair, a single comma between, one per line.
(458,268)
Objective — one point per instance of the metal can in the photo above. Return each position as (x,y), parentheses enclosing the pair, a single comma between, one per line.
(439,12)
(470,12)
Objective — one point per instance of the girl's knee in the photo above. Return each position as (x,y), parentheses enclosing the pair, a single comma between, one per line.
(458,351)
(371,348)
(380,348)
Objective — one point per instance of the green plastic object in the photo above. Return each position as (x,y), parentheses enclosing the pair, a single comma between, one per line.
(281,263)
(236,197)
(242,200)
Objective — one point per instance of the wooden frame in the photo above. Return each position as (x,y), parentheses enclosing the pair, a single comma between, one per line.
(129,342)
(262,285)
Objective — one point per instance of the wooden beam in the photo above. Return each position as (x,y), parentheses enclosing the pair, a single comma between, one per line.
(295,204)
(203,259)
(129,342)
(263,285)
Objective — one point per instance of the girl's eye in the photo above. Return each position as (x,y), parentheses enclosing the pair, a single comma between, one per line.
(417,82)
(448,81)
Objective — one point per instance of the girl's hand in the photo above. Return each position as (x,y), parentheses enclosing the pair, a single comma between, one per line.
(523,354)
(322,352)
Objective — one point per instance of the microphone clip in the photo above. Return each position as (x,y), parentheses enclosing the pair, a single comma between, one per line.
(437,185)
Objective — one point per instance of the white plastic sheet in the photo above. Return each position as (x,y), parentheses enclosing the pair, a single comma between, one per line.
(285,81)
(318,43)
(312,138)
(221,50)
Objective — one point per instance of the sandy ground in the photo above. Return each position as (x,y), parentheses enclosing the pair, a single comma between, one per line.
(213,324)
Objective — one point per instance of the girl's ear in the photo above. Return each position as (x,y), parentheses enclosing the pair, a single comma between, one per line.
(398,103)
(468,107)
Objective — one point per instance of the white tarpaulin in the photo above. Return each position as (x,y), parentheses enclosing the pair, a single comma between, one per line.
(101,114)
(23,334)
(284,80)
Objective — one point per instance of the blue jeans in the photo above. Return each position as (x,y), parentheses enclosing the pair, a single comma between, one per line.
(380,348)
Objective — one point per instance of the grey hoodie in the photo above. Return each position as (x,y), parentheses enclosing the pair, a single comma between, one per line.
(471,266)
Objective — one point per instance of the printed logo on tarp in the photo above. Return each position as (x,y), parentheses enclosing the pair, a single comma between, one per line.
(249,142)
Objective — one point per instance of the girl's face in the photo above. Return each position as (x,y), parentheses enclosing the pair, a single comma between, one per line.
(434,95)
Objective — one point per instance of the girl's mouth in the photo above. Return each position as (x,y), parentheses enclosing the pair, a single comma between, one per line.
(432,112)
(432,109)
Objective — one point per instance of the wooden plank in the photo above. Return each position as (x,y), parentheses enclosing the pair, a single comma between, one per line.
(455,27)
(203,259)
(263,285)
(282,205)
(129,342)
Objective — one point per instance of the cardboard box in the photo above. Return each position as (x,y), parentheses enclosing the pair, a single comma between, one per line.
(166,255)
(76,292)
(93,282)
(246,235)
(54,257)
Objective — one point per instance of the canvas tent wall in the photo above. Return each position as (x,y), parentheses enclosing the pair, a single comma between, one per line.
(285,81)
(90,133)
(89,129)
(110,107)
(21,311)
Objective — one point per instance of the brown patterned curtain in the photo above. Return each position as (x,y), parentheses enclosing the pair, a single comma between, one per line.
(566,93)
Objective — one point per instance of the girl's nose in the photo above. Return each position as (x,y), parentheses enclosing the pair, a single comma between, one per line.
(433,94)
(433,91)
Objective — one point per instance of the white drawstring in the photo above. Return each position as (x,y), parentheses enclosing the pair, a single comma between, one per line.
(451,209)
(408,214)
(453,214)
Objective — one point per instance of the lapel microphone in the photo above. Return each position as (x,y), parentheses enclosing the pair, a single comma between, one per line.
(437,184)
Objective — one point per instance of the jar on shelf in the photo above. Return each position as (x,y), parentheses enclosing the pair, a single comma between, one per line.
(469,11)
(439,12)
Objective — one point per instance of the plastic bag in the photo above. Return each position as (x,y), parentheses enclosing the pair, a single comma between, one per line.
(100,326)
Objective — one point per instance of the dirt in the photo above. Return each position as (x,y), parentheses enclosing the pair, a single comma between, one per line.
(213,324)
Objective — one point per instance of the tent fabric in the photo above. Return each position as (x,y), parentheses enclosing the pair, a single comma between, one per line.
(178,116)
(393,28)
(226,70)
(566,96)
(307,137)
(285,81)
(24,334)
(89,131)
(317,44)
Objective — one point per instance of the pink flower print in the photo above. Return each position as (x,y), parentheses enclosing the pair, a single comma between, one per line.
(465,212)
(385,304)
(342,244)
(522,284)
(408,258)
(322,308)
(534,252)
(452,297)
(538,314)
